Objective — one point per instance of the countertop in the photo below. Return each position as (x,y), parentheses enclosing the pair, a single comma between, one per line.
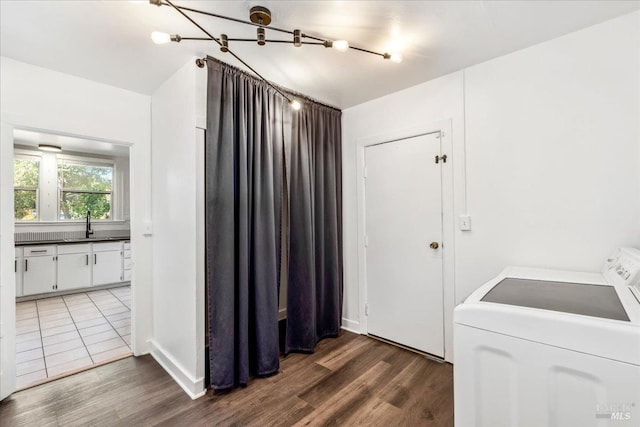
(72,241)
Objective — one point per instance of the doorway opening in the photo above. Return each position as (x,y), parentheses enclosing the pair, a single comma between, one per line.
(72,254)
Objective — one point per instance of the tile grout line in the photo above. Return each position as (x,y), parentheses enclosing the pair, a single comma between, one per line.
(116,297)
(78,330)
(44,359)
(129,308)
(108,321)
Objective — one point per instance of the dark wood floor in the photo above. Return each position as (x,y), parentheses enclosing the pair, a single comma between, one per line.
(350,380)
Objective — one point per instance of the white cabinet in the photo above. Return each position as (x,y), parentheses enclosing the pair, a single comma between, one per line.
(39,274)
(126,275)
(107,263)
(42,269)
(18,266)
(74,266)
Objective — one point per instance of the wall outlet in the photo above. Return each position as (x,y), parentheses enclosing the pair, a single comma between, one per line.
(465,222)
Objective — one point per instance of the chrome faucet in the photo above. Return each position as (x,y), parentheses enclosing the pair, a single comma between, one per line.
(88,231)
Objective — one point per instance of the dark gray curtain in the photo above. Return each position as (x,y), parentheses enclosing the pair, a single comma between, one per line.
(314,297)
(244,155)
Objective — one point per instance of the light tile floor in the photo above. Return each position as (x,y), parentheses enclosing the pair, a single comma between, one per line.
(62,334)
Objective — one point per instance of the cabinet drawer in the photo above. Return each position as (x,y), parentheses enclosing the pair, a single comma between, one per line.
(74,249)
(107,246)
(39,251)
(127,263)
(127,253)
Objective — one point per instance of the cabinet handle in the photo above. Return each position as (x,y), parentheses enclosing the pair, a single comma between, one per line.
(26,265)
(86,260)
(95,258)
(42,251)
(15,266)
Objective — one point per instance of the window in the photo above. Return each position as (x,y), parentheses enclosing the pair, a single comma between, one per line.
(26,173)
(84,187)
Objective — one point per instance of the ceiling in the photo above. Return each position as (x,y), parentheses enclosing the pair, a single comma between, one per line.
(69,144)
(108,41)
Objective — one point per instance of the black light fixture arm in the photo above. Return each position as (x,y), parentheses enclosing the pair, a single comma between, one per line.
(231,39)
(228,50)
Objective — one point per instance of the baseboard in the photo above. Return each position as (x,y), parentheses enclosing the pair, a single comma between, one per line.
(194,387)
(351,326)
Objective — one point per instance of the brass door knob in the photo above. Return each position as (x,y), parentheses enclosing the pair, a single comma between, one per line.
(434,245)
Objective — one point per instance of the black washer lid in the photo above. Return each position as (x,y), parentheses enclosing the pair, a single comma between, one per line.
(576,298)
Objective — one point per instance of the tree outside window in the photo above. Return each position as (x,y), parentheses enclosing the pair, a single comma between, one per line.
(84,187)
(26,173)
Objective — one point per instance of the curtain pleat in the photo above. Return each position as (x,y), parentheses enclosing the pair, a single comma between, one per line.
(243,193)
(314,159)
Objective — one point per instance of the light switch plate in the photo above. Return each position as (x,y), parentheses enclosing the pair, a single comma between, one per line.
(465,222)
(147,228)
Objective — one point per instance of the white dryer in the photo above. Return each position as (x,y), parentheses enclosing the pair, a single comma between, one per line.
(537,347)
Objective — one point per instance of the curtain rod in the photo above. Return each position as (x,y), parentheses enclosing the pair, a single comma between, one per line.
(201,62)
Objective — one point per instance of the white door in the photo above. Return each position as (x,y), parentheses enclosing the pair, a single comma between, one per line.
(107,267)
(39,275)
(74,271)
(403,211)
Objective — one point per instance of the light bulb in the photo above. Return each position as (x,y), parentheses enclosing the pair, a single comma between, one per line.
(160,38)
(395,57)
(296,105)
(340,45)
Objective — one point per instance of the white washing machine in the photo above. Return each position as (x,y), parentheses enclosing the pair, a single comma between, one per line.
(537,347)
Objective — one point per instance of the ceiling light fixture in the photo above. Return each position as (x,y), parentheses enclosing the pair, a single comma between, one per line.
(50,148)
(163,38)
(259,17)
(295,105)
(395,57)
(340,45)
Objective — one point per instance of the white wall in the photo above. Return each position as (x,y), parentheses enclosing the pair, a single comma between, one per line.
(552,138)
(40,99)
(552,157)
(178,309)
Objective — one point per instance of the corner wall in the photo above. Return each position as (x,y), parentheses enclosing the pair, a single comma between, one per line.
(177,168)
(545,149)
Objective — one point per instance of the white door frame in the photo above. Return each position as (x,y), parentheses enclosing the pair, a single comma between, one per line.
(448,220)
(7,244)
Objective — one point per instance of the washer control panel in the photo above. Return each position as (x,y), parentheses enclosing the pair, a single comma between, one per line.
(623,268)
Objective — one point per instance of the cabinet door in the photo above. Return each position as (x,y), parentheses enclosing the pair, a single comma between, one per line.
(74,271)
(107,267)
(39,275)
(18,270)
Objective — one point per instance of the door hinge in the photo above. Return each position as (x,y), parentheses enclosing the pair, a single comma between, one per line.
(366,309)
(364,172)
(366,241)
(442,158)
